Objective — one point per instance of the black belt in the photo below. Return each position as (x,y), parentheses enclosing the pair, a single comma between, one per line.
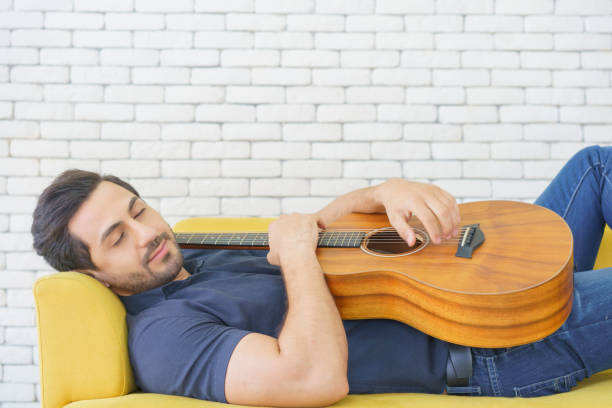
(458,365)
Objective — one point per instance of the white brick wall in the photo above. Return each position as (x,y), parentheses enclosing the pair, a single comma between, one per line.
(257,107)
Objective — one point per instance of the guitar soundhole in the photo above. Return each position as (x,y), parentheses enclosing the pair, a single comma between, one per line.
(387,242)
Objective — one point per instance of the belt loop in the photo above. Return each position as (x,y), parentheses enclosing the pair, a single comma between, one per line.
(458,365)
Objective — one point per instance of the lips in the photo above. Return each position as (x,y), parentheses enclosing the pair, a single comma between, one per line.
(161,248)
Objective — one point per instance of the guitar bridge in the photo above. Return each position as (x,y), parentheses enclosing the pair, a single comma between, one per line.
(471,239)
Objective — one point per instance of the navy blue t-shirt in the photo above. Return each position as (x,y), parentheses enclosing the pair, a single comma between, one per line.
(181,335)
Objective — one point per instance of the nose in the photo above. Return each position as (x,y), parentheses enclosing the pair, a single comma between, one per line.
(143,233)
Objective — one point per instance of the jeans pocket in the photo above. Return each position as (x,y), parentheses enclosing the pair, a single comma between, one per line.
(555,385)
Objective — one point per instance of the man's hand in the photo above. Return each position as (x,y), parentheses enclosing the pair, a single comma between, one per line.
(437,209)
(292,235)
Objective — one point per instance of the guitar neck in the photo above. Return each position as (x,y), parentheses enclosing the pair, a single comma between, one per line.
(327,239)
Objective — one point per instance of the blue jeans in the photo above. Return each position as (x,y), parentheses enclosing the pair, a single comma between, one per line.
(582,194)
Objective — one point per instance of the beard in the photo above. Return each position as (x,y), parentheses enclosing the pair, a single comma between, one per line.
(147,279)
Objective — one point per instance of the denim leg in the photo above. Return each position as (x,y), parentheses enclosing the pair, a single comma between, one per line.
(582,194)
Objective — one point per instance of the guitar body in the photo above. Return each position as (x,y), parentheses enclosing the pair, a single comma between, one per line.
(516,288)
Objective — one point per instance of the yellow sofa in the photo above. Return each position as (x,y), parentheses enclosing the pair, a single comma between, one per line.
(84,359)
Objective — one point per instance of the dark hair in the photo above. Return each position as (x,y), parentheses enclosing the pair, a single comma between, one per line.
(56,206)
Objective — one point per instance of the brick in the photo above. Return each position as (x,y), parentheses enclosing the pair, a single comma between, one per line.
(464,7)
(279,187)
(555,96)
(406,113)
(488,59)
(400,150)
(73,93)
(357,59)
(254,94)
(61,56)
(307,58)
(312,132)
(21,374)
(129,57)
(109,5)
(346,113)
(163,187)
(190,206)
(415,169)
(18,92)
(43,5)
(478,189)
(280,150)
(100,75)
(542,169)
(565,150)
(21,20)
(19,130)
(403,41)
(26,336)
(218,187)
(255,22)
(14,354)
(553,60)
(495,96)
(524,7)
(16,56)
(133,21)
(431,59)
(161,76)
(585,7)
(331,187)
(344,41)
(433,23)
(130,131)
(525,113)
(369,23)
(467,41)
(134,94)
(26,260)
(220,150)
(437,95)
(493,24)
(250,168)
(16,204)
(303,205)
(223,39)
(492,169)
(284,40)
(314,22)
(23,223)
(42,111)
(553,132)
(594,133)
(404,7)
(310,94)
(518,188)
(99,150)
(312,168)
(599,96)
(581,78)
(40,38)
(225,113)
(436,132)
(549,24)
(374,94)
(74,21)
(467,114)
(191,58)
(160,150)
(163,39)
(195,22)
(280,76)
(131,168)
(372,169)
(103,111)
(372,131)
(191,131)
(39,148)
(343,150)
(582,42)
(165,113)
(464,77)
(272,6)
(521,77)
(3,152)
(225,6)
(524,41)
(152,6)
(20,297)
(6,110)
(519,150)
(221,76)
(496,132)
(251,131)
(250,58)
(599,24)
(345,7)
(194,94)
(102,39)
(406,77)
(17,392)
(39,74)
(285,113)
(450,150)
(341,77)
(250,206)
(596,60)
(586,114)
(53,167)
(70,130)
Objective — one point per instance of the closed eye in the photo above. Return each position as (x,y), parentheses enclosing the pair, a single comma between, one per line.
(119,240)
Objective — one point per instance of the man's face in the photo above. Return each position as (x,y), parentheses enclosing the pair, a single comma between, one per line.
(130,243)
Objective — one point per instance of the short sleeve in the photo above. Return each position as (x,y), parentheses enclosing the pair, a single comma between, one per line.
(185,356)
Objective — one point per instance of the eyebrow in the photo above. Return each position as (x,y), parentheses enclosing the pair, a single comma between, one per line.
(110,229)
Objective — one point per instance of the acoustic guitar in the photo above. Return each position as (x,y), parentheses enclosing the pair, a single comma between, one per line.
(505,280)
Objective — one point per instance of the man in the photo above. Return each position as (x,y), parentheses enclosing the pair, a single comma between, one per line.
(229,326)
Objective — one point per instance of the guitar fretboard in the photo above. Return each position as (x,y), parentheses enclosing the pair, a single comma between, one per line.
(327,239)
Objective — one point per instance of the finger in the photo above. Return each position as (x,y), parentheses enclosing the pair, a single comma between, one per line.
(400,223)
(444,211)
(452,202)
(430,221)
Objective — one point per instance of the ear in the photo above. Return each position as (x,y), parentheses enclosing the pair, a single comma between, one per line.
(93,274)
